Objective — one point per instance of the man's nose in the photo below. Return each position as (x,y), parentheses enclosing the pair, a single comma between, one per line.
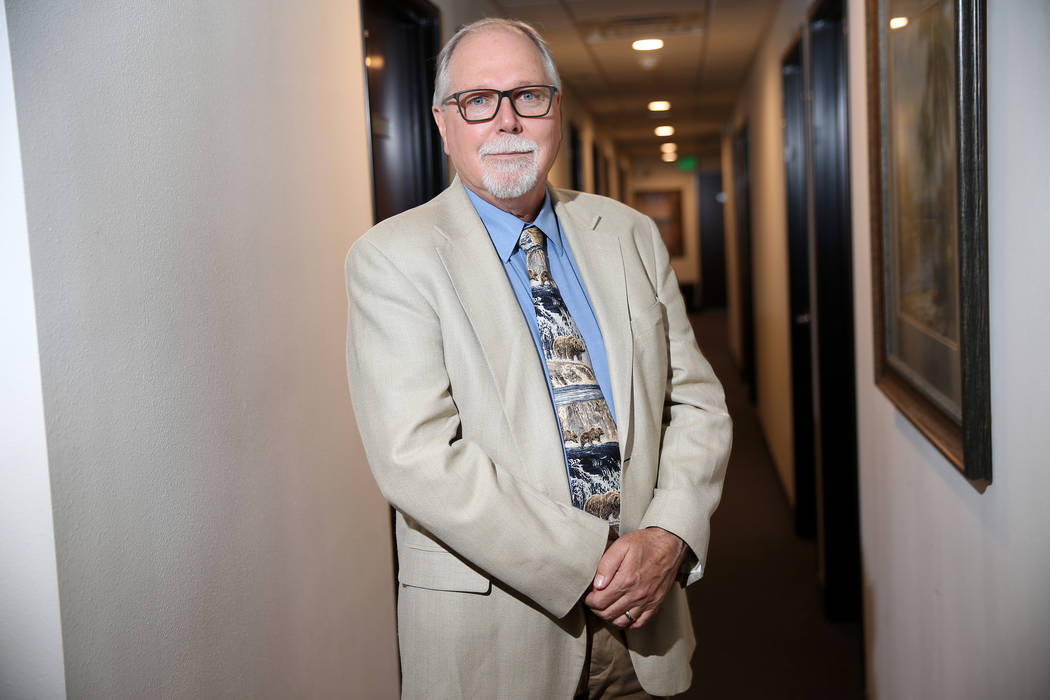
(506,118)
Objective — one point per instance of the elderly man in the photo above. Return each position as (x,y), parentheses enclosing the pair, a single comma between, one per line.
(534,406)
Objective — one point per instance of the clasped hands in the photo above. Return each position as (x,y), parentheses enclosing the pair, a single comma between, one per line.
(634,575)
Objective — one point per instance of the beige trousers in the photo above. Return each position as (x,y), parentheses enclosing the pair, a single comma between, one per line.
(608,672)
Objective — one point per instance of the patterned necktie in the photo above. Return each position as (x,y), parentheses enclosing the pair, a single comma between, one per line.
(588,431)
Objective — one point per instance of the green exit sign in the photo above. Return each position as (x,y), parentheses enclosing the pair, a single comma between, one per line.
(688,163)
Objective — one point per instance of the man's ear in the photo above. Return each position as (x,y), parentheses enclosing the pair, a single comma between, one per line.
(439,119)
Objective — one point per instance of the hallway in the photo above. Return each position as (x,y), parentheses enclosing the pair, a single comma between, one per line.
(758,613)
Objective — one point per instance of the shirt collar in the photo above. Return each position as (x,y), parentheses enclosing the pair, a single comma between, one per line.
(504,228)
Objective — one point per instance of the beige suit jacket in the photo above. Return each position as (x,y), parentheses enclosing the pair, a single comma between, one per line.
(454,411)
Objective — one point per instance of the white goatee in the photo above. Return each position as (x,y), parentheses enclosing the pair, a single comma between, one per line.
(511,177)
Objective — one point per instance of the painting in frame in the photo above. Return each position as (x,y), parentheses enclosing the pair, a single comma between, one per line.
(664,207)
(926,85)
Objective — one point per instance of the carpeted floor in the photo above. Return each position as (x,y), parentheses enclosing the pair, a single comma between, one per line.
(758,615)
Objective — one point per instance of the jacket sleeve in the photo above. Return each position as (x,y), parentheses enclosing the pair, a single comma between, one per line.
(409,423)
(697,429)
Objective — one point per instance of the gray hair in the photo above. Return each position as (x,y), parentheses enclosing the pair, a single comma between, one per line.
(489,23)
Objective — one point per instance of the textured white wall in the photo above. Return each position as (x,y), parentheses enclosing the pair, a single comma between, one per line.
(194,174)
(957,598)
(30,633)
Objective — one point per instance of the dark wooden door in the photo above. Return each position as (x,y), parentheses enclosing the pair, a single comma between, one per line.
(796,172)
(712,241)
(742,200)
(575,158)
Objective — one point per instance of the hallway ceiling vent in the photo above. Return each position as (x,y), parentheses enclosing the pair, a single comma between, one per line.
(630,28)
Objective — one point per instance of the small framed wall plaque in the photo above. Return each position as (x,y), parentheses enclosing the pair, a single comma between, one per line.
(664,207)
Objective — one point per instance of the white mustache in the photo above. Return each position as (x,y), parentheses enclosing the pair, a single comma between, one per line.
(508,143)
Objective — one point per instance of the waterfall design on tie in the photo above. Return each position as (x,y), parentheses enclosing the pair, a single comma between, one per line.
(587,427)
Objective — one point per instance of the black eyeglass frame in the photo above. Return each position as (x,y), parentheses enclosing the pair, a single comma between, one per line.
(509,94)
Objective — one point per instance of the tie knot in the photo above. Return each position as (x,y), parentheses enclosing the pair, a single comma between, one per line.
(531,238)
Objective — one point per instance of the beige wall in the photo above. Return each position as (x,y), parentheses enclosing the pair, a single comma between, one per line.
(956,601)
(573,114)
(668,177)
(733,300)
(623,165)
(612,158)
(761,106)
(194,174)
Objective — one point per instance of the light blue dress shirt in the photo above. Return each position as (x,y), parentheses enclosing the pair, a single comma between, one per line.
(504,229)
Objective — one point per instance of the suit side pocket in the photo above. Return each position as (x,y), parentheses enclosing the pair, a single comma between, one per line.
(438,570)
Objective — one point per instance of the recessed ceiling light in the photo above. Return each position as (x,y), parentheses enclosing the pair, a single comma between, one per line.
(664,130)
(898,22)
(648,44)
(669,157)
(669,147)
(659,106)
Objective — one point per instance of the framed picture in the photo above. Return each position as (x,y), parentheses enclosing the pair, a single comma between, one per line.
(664,207)
(929,228)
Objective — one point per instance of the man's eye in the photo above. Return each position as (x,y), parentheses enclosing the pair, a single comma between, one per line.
(478,99)
(528,96)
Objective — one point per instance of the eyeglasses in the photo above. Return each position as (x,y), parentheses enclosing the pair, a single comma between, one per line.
(481,105)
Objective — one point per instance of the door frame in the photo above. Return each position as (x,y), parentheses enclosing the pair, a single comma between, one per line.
(831,303)
(798,189)
(427,17)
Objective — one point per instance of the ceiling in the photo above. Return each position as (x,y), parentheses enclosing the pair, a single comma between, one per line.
(708,46)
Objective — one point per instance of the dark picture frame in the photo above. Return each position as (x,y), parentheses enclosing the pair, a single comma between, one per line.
(929,222)
(664,207)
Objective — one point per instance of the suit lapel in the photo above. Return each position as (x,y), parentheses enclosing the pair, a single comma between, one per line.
(596,249)
(481,284)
